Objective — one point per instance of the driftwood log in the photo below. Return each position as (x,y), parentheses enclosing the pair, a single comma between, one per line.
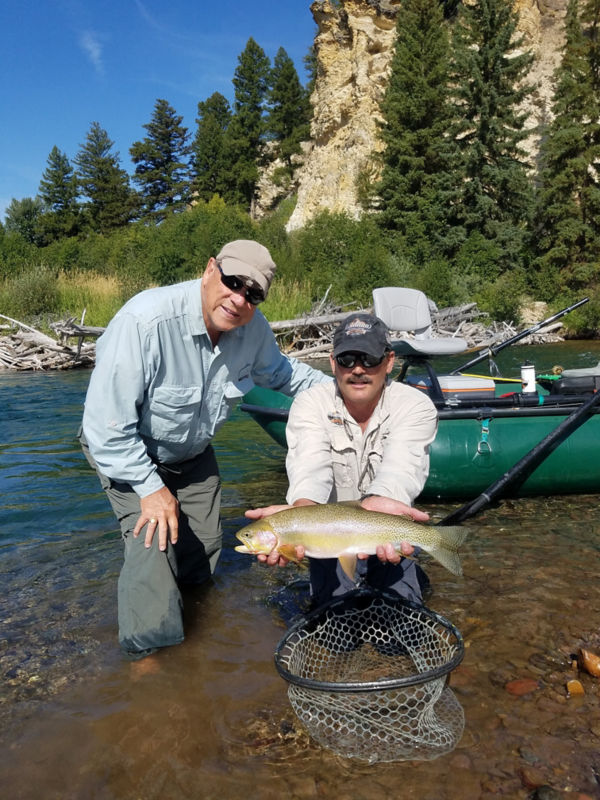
(26,348)
(307,338)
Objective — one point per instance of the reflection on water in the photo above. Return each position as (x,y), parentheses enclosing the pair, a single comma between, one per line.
(211,718)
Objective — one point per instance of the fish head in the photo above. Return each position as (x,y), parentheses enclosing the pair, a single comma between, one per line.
(257,537)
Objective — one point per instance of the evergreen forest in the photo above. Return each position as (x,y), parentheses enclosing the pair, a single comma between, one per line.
(460,209)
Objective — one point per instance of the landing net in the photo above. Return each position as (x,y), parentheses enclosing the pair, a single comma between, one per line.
(367,677)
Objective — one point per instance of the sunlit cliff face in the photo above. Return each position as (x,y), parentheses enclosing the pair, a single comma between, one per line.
(354,43)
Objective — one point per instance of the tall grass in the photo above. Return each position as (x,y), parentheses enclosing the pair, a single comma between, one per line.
(100,296)
(287,299)
(38,297)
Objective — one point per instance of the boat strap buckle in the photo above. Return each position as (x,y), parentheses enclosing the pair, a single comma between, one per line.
(484,446)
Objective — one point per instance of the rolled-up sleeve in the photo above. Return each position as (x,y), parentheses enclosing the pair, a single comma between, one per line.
(111,415)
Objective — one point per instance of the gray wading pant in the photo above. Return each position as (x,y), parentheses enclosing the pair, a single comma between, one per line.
(149,598)
(328,579)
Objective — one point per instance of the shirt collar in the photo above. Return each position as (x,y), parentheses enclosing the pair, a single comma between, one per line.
(197,324)
(380,413)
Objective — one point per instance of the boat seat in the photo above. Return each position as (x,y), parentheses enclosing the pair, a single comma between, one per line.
(407,310)
(584,372)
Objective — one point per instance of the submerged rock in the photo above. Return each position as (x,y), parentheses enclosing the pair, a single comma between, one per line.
(575,687)
(590,662)
(522,686)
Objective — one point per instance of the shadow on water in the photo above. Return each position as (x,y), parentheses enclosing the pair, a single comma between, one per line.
(211,718)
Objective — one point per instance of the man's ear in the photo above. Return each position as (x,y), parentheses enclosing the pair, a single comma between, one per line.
(390,362)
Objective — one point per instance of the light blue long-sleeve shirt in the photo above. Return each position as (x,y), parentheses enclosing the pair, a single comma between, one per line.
(160,390)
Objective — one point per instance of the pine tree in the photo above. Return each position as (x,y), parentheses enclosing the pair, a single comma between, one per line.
(245,134)
(110,201)
(209,162)
(58,190)
(488,90)
(417,163)
(288,121)
(162,163)
(568,207)
(591,20)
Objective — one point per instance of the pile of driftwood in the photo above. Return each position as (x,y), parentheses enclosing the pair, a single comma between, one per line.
(26,348)
(311,336)
(308,337)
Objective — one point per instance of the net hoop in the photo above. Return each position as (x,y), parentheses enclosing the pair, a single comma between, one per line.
(320,617)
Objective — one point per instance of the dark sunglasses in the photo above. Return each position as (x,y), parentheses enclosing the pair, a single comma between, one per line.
(253,294)
(348,360)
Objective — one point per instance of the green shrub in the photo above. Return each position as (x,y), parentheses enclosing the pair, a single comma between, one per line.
(435,279)
(32,293)
(333,250)
(502,299)
(16,255)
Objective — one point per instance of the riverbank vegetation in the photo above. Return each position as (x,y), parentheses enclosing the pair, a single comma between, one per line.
(458,211)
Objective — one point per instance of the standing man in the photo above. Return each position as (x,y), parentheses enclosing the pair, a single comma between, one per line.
(170,367)
(363,438)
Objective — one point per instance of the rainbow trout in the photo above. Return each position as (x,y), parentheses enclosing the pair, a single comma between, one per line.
(342,530)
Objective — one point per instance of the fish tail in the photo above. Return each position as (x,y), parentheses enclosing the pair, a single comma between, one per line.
(446,550)
(453,535)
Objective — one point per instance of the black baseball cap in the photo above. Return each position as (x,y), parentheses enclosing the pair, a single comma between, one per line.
(362,333)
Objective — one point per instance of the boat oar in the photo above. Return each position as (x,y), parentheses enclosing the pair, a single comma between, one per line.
(491,351)
(520,471)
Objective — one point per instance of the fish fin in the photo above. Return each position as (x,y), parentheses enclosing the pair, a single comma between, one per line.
(348,564)
(289,551)
(446,549)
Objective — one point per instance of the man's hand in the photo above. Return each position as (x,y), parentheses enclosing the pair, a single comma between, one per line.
(387,553)
(266,511)
(159,510)
(274,559)
(388,506)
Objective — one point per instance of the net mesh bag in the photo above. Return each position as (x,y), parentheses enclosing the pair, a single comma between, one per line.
(367,677)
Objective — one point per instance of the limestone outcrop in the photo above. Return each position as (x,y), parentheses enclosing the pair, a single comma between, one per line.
(354,47)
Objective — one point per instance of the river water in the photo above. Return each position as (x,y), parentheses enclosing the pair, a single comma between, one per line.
(211,717)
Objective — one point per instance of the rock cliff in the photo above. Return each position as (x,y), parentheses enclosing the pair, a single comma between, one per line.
(354,47)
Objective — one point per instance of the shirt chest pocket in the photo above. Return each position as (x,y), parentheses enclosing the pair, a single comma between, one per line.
(343,462)
(171,413)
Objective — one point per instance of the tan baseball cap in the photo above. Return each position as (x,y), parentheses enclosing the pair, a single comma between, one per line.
(248,259)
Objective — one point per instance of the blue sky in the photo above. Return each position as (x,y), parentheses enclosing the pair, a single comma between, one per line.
(68,63)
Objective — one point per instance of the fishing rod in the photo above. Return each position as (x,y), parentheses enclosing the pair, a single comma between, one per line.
(493,350)
(520,471)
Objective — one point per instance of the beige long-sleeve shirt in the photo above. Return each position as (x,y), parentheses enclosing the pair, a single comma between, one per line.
(330,459)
